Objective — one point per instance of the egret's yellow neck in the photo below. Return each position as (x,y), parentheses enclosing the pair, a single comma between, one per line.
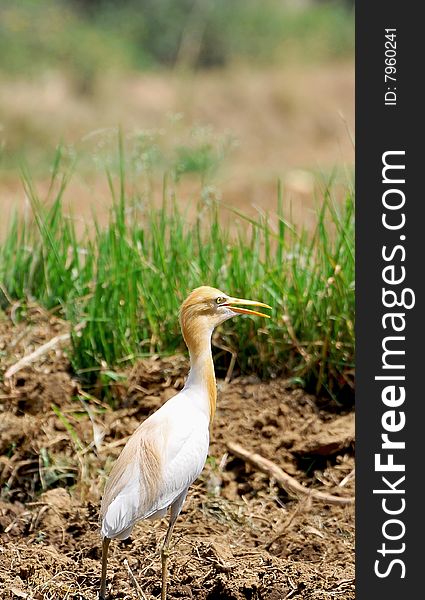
(198,341)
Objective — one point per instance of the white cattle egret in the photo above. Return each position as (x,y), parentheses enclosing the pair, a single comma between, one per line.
(167,452)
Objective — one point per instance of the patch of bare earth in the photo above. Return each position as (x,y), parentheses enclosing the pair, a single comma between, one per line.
(240,535)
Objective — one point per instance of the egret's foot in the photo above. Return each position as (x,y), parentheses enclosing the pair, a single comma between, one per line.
(103,595)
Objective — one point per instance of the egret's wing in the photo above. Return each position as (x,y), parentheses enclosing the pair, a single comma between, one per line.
(160,460)
(139,452)
(130,489)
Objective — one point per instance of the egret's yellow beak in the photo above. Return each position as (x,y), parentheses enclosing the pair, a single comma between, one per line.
(235,303)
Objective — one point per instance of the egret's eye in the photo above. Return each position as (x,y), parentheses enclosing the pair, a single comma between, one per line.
(220,300)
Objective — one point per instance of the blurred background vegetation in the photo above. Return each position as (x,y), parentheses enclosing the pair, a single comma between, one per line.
(68,67)
(88,38)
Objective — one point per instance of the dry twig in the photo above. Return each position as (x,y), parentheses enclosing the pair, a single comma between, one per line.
(43,349)
(133,580)
(288,483)
(30,358)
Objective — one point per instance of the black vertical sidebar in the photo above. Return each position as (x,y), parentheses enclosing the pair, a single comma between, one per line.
(394,538)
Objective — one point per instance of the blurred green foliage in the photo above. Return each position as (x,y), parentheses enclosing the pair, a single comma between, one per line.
(89,37)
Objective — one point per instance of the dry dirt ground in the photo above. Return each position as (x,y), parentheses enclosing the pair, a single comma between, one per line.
(239,536)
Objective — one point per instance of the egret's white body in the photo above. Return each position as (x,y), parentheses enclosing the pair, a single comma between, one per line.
(167,452)
(179,430)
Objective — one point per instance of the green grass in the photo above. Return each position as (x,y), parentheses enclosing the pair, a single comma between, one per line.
(123,284)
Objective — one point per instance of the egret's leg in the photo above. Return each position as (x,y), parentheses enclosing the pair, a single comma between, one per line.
(105,546)
(165,552)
